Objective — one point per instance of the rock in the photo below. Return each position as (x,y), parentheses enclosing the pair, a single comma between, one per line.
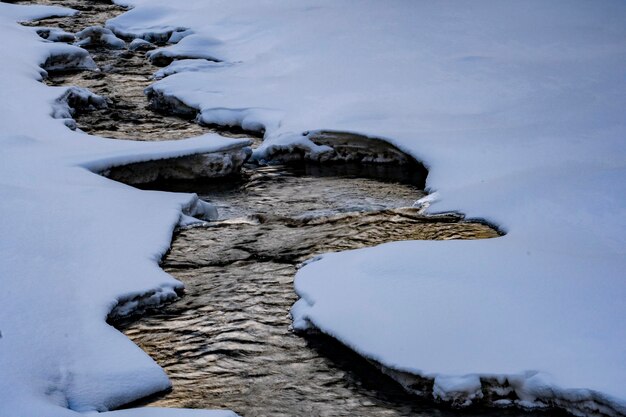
(99,36)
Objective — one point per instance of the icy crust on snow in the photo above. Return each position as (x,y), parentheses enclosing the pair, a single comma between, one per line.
(76,247)
(516,109)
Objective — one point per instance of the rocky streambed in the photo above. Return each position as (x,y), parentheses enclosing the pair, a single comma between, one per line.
(227,342)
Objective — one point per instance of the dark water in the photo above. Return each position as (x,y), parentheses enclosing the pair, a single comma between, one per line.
(227,342)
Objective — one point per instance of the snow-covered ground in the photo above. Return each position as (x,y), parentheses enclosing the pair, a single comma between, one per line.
(515,107)
(74,246)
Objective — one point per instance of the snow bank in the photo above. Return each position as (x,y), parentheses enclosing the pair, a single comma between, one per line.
(188,65)
(189,47)
(517,110)
(75,246)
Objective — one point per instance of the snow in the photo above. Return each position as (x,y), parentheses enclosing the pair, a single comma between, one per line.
(140,44)
(189,47)
(188,65)
(75,246)
(73,98)
(516,108)
(55,34)
(96,35)
(64,57)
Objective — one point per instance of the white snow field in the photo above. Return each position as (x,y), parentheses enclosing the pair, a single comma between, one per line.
(517,109)
(74,246)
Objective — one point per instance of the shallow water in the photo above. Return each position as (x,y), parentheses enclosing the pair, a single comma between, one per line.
(122,78)
(227,343)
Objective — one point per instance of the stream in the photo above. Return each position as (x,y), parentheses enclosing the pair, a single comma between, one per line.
(227,342)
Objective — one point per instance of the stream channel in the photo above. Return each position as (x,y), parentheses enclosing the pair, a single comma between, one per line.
(227,343)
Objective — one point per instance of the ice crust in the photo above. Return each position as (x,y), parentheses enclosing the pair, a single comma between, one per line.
(76,247)
(515,108)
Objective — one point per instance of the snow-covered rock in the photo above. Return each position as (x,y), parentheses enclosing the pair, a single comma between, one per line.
(55,34)
(140,45)
(76,99)
(97,35)
(64,57)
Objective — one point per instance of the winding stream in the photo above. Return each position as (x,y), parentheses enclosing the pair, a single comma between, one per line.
(227,342)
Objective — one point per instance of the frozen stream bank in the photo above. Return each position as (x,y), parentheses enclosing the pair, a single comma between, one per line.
(272,232)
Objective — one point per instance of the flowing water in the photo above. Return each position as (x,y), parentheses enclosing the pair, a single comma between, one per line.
(227,342)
